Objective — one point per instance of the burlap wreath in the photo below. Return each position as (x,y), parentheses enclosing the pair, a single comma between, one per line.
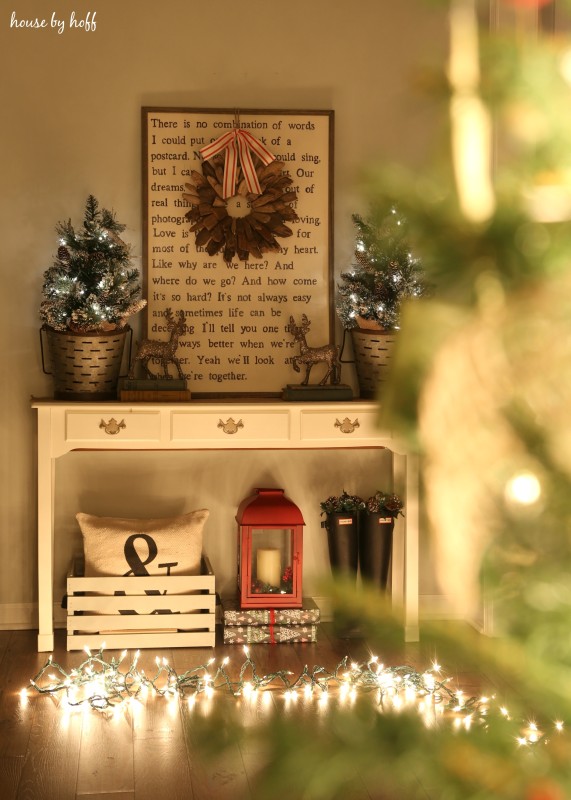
(254,233)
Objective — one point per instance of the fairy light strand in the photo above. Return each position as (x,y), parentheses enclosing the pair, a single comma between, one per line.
(115,682)
(107,685)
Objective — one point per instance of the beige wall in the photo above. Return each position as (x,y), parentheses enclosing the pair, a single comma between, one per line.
(70,126)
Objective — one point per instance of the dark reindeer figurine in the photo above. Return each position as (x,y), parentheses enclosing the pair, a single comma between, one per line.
(309,356)
(163,352)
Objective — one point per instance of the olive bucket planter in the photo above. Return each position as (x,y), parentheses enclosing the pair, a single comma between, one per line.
(84,366)
(375,547)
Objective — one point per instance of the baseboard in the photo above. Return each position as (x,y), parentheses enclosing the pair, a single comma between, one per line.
(24,616)
(431,606)
(437,606)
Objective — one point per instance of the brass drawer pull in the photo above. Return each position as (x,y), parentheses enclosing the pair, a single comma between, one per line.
(347,426)
(112,427)
(230,426)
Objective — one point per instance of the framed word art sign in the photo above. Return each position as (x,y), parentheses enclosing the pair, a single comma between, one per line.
(238,239)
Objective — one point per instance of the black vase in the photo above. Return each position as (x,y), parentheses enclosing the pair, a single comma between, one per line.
(375,547)
(343,541)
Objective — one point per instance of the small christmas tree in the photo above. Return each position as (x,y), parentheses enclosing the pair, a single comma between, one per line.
(91,285)
(385,273)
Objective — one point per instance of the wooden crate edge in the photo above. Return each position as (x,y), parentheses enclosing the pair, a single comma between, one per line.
(140,641)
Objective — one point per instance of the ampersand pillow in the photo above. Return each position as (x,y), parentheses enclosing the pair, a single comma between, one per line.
(122,547)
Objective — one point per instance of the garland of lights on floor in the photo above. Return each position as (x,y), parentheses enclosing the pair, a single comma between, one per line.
(110,685)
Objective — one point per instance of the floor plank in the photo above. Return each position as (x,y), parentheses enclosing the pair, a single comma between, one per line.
(162,768)
(108,796)
(160,757)
(19,664)
(155,749)
(5,638)
(10,772)
(50,767)
(223,777)
(106,755)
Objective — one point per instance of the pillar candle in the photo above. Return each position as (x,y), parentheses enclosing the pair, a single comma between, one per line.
(269,566)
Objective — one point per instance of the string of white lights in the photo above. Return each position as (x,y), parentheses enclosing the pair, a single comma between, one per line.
(106,682)
(108,685)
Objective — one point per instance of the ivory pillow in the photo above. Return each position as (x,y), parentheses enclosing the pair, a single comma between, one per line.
(122,547)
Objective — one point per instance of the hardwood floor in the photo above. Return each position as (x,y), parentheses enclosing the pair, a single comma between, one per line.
(46,754)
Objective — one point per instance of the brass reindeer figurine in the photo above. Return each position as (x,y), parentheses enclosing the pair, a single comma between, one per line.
(163,352)
(309,356)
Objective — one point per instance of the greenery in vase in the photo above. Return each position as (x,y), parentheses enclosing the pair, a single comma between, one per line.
(91,286)
(380,503)
(339,504)
(385,272)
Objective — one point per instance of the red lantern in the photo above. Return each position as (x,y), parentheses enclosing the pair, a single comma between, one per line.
(270,551)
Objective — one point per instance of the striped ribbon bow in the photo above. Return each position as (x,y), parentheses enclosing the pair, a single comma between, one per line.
(238,142)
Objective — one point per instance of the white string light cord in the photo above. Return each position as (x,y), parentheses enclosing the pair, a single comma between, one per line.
(103,683)
(108,685)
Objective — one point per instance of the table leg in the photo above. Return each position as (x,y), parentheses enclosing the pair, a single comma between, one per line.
(406,554)
(46,469)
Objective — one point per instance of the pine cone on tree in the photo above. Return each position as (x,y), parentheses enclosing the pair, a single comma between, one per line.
(63,254)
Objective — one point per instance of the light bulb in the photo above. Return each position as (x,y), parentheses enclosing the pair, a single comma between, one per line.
(523,489)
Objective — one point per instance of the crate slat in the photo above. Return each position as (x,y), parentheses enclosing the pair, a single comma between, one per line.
(119,622)
(141,640)
(171,584)
(109,604)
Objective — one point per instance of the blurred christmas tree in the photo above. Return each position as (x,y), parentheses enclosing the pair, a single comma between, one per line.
(384,275)
(91,286)
(482,387)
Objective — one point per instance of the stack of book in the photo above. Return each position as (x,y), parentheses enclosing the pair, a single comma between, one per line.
(154,390)
(270,625)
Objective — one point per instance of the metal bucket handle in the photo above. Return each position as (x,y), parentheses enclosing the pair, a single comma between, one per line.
(42,349)
(130,332)
(341,359)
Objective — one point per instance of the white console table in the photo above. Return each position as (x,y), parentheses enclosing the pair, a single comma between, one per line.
(221,424)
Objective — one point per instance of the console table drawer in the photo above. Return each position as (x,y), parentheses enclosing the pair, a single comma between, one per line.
(231,427)
(344,427)
(113,425)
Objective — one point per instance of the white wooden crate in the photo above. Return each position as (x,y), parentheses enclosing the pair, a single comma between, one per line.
(181,612)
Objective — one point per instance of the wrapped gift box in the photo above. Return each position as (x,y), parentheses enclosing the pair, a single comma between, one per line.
(308,614)
(269,634)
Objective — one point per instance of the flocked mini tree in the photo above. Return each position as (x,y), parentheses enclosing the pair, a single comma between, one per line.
(385,272)
(91,285)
